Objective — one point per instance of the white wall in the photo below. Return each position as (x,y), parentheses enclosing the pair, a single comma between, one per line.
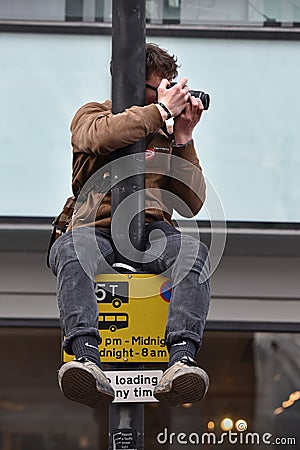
(248,141)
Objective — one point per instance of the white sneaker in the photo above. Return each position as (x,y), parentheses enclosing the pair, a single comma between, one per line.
(183,382)
(84,382)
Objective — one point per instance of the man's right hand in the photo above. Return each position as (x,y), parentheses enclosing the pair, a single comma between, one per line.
(175,98)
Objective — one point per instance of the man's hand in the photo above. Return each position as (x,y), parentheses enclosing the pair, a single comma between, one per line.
(186,121)
(186,109)
(175,98)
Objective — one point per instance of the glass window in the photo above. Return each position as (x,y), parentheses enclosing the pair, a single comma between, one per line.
(33,10)
(99,11)
(33,413)
(254,396)
(171,11)
(226,12)
(74,10)
(185,12)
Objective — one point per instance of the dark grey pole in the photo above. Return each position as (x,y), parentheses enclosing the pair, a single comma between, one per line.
(126,426)
(128,89)
(126,420)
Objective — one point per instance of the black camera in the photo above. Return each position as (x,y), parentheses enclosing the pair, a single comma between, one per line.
(205,99)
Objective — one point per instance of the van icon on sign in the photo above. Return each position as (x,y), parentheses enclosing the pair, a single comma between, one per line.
(113,322)
(114,293)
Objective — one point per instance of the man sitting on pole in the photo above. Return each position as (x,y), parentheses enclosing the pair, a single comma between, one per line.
(174,181)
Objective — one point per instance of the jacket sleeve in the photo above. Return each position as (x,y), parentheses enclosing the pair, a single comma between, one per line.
(186,181)
(96,130)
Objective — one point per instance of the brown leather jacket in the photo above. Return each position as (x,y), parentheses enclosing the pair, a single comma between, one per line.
(171,183)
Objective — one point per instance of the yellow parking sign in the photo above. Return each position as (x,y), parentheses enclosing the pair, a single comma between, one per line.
(133,310)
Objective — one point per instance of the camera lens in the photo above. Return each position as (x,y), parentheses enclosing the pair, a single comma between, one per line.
(205,99)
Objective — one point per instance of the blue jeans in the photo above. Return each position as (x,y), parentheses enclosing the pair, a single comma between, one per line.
(78,255)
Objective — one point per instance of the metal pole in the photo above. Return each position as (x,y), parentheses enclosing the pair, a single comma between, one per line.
(126,426)
(128,89)
(126,420)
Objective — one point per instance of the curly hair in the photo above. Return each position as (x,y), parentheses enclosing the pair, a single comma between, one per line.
(159,61)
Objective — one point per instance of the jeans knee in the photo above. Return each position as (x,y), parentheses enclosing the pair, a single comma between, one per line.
(198,252)
(195,246)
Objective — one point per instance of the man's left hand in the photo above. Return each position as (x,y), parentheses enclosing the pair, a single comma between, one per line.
(185,123)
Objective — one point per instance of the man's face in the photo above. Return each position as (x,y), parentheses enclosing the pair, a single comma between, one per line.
(153,82)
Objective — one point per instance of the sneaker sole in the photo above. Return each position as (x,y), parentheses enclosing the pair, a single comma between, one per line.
(80,386)
(187,388)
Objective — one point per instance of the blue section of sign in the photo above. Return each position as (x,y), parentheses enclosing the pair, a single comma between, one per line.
(166,291)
